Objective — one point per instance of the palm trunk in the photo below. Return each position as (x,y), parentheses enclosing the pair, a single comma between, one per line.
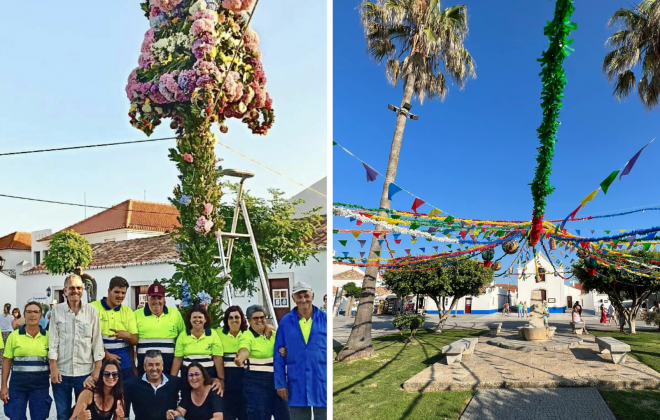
(358,345)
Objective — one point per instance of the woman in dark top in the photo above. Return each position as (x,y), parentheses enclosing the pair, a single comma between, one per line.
(198,402)
(106,402)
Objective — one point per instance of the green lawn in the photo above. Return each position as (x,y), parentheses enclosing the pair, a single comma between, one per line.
(636,404)
(371,388)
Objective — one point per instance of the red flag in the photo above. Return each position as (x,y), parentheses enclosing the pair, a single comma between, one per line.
(407,251)
(418,202)
(397,241)
(463,233)
(377,234)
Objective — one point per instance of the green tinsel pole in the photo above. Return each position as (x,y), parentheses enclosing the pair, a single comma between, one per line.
(554,81)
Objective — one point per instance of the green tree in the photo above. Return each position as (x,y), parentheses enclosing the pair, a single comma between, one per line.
(282,236)
(444,285)
(352,292)
(421,45)
(636,43)
(621,286)
(70,253)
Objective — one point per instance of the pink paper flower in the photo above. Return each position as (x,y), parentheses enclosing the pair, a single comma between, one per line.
(202,26)
(251,40)
(187,157)
(203,225)
(208,208)
(148,40)
(168,5)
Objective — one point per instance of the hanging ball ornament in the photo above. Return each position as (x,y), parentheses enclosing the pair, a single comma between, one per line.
(487,256)
(591,263)
(496,265)
(510,247)
(581,253)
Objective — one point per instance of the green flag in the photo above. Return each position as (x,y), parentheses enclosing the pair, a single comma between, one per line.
(377,253)
(343,242)
(608,181)
(646,246)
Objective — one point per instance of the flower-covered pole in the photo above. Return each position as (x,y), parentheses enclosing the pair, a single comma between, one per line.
(554,81)
(199,65)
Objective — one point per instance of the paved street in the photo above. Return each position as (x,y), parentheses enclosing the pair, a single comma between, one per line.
(537,403)
(382,324)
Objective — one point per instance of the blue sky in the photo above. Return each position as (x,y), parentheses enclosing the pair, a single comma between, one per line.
(473,155)
(64,69)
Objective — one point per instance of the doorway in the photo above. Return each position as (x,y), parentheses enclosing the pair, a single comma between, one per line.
(543,295)
(139,296)
(279,295)
(468,305)
(569,302)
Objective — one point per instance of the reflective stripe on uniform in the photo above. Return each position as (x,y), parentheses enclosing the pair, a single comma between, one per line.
(165,345)
(205,361)
(261,365)
(30,364)
(112,343)
(229,358)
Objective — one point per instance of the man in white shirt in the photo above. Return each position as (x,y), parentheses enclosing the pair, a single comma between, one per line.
(610,316)
(75,346)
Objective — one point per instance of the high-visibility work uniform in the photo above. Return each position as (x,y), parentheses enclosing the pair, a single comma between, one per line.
(158,333)
(29,381)
(200,350)
(234,403)
(120,318)
(259,391)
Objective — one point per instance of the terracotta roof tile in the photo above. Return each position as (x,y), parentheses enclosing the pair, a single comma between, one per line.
(17,240)
(143,251)
(348,275)
(383,291)
(505,286)
(321,236)
(131,214)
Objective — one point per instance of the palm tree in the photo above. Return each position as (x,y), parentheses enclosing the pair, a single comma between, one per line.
(418,41)
(637,43)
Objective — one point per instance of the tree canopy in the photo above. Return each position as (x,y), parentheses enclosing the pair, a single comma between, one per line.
(68,250)
(622,286)
(352,290)
(459,279)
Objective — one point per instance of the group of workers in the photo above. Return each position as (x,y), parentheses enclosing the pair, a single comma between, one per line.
(185,369)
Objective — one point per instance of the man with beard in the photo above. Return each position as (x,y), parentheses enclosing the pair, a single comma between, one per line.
(75,346)
(301,357)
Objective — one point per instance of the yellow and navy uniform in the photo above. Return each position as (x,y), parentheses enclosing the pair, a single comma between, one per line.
(234,406)
(261,350)
(201,350)
(120,318)
(158,333)
(29,359)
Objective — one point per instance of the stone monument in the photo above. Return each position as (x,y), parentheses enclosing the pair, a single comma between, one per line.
(536,330)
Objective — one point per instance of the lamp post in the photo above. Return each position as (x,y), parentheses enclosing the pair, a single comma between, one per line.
(2,263)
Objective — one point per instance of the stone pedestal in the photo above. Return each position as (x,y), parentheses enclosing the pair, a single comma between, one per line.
(536,331)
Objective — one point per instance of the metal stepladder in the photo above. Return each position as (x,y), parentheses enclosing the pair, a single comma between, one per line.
(241,209)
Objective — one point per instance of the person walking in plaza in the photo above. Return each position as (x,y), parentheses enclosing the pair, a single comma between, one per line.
(546,313)
(603,314)
(26,358)
(158,327)
(234,327)
(18,319)
(155,393)
(611,315)
(524,309)
(5,325)
(300,375)
(622,319)
(106,400)
(520,310)
(75,346)
(576,317)
(261,399)
(505,308)
(198,343)
(199,401)
(118,326)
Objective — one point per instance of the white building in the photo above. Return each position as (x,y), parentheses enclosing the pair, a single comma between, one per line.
(14,255)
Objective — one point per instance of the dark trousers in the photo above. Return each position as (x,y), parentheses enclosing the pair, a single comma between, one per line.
(305,413)
(126,374)
(62,394)
(261,398)
(234,406)
(38,399)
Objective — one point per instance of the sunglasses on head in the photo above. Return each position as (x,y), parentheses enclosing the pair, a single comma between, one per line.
(113,375)
(194,374)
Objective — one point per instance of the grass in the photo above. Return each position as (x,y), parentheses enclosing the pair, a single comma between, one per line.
(636,404)
(371,388)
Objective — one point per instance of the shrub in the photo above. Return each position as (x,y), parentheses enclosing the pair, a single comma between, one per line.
(412,322)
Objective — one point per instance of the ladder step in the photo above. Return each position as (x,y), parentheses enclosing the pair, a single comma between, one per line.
(229,235)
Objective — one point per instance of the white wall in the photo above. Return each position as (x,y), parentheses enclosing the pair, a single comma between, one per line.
(312,199)
(33,286)
(8,290)
(13,257)
(486,303)
(553,285)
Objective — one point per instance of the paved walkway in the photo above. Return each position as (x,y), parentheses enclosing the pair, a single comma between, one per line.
(382,324)
(537,403)
(495,367)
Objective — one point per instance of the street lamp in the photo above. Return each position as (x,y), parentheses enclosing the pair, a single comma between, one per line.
(405,110)
(2,263)
(48,291)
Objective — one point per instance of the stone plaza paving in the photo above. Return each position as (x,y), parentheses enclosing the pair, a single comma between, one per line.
(537,403)
(495,367)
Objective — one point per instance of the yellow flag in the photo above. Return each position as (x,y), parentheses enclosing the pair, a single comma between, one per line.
(356,234)
(589,197)
(412,241)
(435,212)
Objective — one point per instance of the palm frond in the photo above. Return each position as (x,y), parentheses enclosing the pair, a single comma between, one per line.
(624,84)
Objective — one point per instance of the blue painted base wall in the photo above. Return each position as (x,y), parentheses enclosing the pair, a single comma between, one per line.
(552,310)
